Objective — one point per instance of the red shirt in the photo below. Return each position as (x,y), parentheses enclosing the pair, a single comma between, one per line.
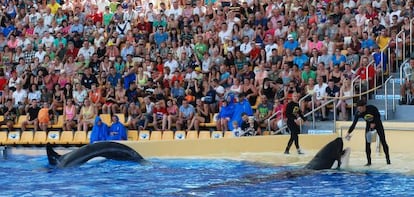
(3,82)
(160,112)
(254,53)
(73,53)
(97,17)
(144,26)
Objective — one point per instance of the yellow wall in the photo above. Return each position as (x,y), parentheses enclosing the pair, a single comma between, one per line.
(399,141)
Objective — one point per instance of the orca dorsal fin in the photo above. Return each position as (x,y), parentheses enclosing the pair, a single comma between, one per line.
(52,155)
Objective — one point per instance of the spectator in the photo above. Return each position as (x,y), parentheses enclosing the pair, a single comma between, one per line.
(186,114)
(32,116)
(44,116)
(117,131)
(10,114)
(86,116)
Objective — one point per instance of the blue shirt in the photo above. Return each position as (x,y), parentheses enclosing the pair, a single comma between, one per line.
(300,60)
(291,45)
(187,111)
(8,30)
(76,27)
(113,79)
(160,38)
(337,61)
(127,51)
(368,43)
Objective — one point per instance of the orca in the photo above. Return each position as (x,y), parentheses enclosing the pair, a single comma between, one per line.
(332,155)
(108,150)
(326,157)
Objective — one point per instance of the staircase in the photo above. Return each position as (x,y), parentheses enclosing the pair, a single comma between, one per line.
(392,111)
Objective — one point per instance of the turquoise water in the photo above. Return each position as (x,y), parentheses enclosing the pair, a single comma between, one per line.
(23,175)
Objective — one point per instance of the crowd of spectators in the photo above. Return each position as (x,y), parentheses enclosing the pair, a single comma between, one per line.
(174,64)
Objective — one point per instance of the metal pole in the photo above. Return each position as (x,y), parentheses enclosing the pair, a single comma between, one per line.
(393,95)
(334,116)
(389,60)
(411,33)
(313,112)
(386,101)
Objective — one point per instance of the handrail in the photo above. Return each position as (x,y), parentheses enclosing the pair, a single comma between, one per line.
(270,118)
(411,35)
(402,69)
(367,75)
(403,46)
(386,97)
(318,108)
(352,86)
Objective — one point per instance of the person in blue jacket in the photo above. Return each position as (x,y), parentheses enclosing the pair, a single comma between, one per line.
(117,131)
(99,131)
(243,106)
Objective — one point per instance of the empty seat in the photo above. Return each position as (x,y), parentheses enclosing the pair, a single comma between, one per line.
(19,122)
(144,135)
(1,119)
(27,137)
(266,133)
(53,137)
(204,135)
(58,124)
(228,134)
(66,137)
(132,135)
(3,137)
(156,135)
(40,137)
(79,137)
(216,134)
(179,135)
(212,122)
(13,137)
(192,135)
(106,118)
(168,135)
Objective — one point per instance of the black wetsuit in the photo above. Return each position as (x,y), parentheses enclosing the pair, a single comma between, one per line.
(372,115)
(292,113)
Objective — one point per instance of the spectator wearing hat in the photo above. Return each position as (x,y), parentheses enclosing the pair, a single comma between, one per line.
(291,44)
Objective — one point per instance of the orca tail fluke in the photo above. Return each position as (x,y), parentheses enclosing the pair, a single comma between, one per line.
(52,155)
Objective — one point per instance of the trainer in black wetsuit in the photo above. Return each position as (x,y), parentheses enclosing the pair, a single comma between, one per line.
(293,114)
(371,115)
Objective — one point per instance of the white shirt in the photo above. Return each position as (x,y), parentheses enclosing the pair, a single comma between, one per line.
(189,76)
(19,96)
(177,12)
(199,10)
(48,18)
(41,55)
(245,48)
(320,90)
(86,52)
(223,34)
(48,41)
(173,65)
(268,49)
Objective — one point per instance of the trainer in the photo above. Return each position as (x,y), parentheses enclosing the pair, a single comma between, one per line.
(371,115)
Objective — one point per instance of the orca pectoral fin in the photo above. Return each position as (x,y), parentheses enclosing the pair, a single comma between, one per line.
(52,155)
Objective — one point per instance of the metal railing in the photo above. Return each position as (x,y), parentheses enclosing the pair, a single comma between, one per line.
(402,35)
(402,70)
(270,118)
(353,88)
(318,108)
(411,35)
(386,96)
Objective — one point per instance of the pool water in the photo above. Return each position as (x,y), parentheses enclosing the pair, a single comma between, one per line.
(23,175)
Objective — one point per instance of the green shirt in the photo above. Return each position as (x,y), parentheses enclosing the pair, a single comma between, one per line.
(306,76)
(107,18)
(200,49)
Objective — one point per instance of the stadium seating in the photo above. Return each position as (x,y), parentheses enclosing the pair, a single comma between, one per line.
(79,137)
(179,135)
(53,137)
(168,135)
(144,135)
(27,137)
(156,135)
(132,135)
(204,135)
(66,137)
(216,134)
(192,135)
(40,137)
